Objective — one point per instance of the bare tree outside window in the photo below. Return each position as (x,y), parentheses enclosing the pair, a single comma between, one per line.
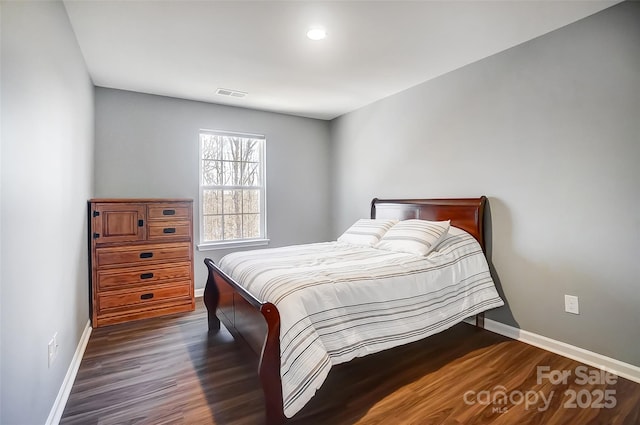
(231,187)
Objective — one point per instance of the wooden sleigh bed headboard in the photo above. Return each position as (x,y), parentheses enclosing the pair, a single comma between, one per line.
(464,213)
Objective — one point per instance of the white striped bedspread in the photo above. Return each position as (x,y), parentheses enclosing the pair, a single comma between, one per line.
(339,301)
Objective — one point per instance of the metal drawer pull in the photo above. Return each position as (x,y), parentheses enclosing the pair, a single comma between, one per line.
(168,212)
(146,254)
(146,296)
(146,275)
(140,223)
(169,230)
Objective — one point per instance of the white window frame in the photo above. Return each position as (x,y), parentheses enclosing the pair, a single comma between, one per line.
(233,243)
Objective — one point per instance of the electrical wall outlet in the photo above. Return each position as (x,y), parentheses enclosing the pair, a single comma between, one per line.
(52,349)
(571,304)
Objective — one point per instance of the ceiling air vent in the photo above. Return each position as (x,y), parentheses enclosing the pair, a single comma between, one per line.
(231,93)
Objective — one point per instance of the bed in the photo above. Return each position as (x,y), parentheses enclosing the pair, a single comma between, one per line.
(298,335)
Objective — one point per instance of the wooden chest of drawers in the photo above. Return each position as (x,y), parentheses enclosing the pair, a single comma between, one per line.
(141,258)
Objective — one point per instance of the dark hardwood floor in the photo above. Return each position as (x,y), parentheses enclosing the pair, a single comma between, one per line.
(170,371)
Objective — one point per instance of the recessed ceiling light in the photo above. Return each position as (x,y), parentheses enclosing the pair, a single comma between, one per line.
(317,33)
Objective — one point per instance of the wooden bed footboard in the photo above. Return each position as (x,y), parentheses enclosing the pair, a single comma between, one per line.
(258,322)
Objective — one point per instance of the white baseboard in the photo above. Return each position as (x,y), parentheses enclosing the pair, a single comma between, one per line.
(198,292)
(590,358)
(63,395)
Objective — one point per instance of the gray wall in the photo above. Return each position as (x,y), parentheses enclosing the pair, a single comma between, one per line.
(147,146)
(47,176)
(550,131)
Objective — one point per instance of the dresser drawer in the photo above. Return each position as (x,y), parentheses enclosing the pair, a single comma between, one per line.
(163,230)
(141,254)
(169,211)
(131,277)
(143,296)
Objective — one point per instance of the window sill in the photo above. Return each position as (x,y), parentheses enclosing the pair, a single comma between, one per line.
(210,246)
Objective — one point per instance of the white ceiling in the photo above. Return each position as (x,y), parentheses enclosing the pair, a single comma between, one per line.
(188,49)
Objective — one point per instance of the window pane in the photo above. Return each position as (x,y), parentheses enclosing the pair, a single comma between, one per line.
(232,226)
(232,200)
(251,201)
(231,173)
(211,171)
(210,146)
(251,226)
(212,201)
(212,227)
(251,150)
(232,149)
(251,174)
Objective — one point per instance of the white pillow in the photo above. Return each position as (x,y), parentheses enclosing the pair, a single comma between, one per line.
(414,236)
(366,231)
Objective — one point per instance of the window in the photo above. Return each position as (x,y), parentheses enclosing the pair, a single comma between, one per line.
(232,189)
